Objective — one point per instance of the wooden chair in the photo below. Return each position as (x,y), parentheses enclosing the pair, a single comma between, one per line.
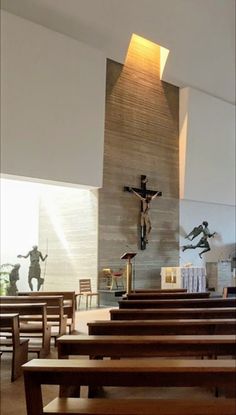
(114,280)
(85,291)
(107,277)
(118,280)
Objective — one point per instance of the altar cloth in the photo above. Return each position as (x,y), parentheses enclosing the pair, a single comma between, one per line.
(191,278)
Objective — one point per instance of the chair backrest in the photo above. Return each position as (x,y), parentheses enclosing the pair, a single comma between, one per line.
(85,285)
(107,272)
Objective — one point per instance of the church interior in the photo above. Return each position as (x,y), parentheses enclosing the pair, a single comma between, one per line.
(118,193)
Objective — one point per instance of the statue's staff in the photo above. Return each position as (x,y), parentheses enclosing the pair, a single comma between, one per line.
(45,262)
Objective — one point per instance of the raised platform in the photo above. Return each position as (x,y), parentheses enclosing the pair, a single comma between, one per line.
(110,297)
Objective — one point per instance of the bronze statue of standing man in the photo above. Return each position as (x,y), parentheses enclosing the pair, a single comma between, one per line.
(34,268)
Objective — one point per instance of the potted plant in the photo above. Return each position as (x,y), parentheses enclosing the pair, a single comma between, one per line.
(5,270)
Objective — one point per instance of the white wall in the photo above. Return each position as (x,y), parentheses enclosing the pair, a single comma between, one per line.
(207,173)
(208,160)
(53,100)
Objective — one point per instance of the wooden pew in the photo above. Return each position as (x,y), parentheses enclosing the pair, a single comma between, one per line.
(55,312)
(229,292)
(126,372)
(11,342)
(172,313)
(158,290)
(179,303)
(164,296)
(69,303)
(62,406)
(162,327)
(146,346)
(40,329)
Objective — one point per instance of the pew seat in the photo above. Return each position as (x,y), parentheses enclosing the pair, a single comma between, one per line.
(63,406)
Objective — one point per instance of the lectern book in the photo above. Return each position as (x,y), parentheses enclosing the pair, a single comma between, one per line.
(128,255)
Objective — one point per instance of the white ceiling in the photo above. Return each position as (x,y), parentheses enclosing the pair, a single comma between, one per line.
(199,33)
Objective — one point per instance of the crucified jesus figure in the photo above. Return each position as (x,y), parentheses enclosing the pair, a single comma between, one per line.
(145,219)
(145,196)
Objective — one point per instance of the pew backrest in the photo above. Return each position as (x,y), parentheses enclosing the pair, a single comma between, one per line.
(179,303)
(159,290)
(124,346)
(165,296)
(172,313)
(161,327)
(27,313)
(54,304)
(25,309)
(69,303)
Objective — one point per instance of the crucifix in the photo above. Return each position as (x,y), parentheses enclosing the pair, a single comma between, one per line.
(146,196)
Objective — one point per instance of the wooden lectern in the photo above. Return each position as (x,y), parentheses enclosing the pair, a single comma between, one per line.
(129,273)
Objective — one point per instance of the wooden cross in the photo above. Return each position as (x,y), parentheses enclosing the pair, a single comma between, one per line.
(146,196)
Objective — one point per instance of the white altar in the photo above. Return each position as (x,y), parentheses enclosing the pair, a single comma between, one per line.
(192,278)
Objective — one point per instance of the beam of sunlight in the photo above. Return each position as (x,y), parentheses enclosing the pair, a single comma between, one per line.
(143,53)
(163,59)
(55,218)
(182,154)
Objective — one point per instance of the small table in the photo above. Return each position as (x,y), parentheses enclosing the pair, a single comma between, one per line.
(191,278)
